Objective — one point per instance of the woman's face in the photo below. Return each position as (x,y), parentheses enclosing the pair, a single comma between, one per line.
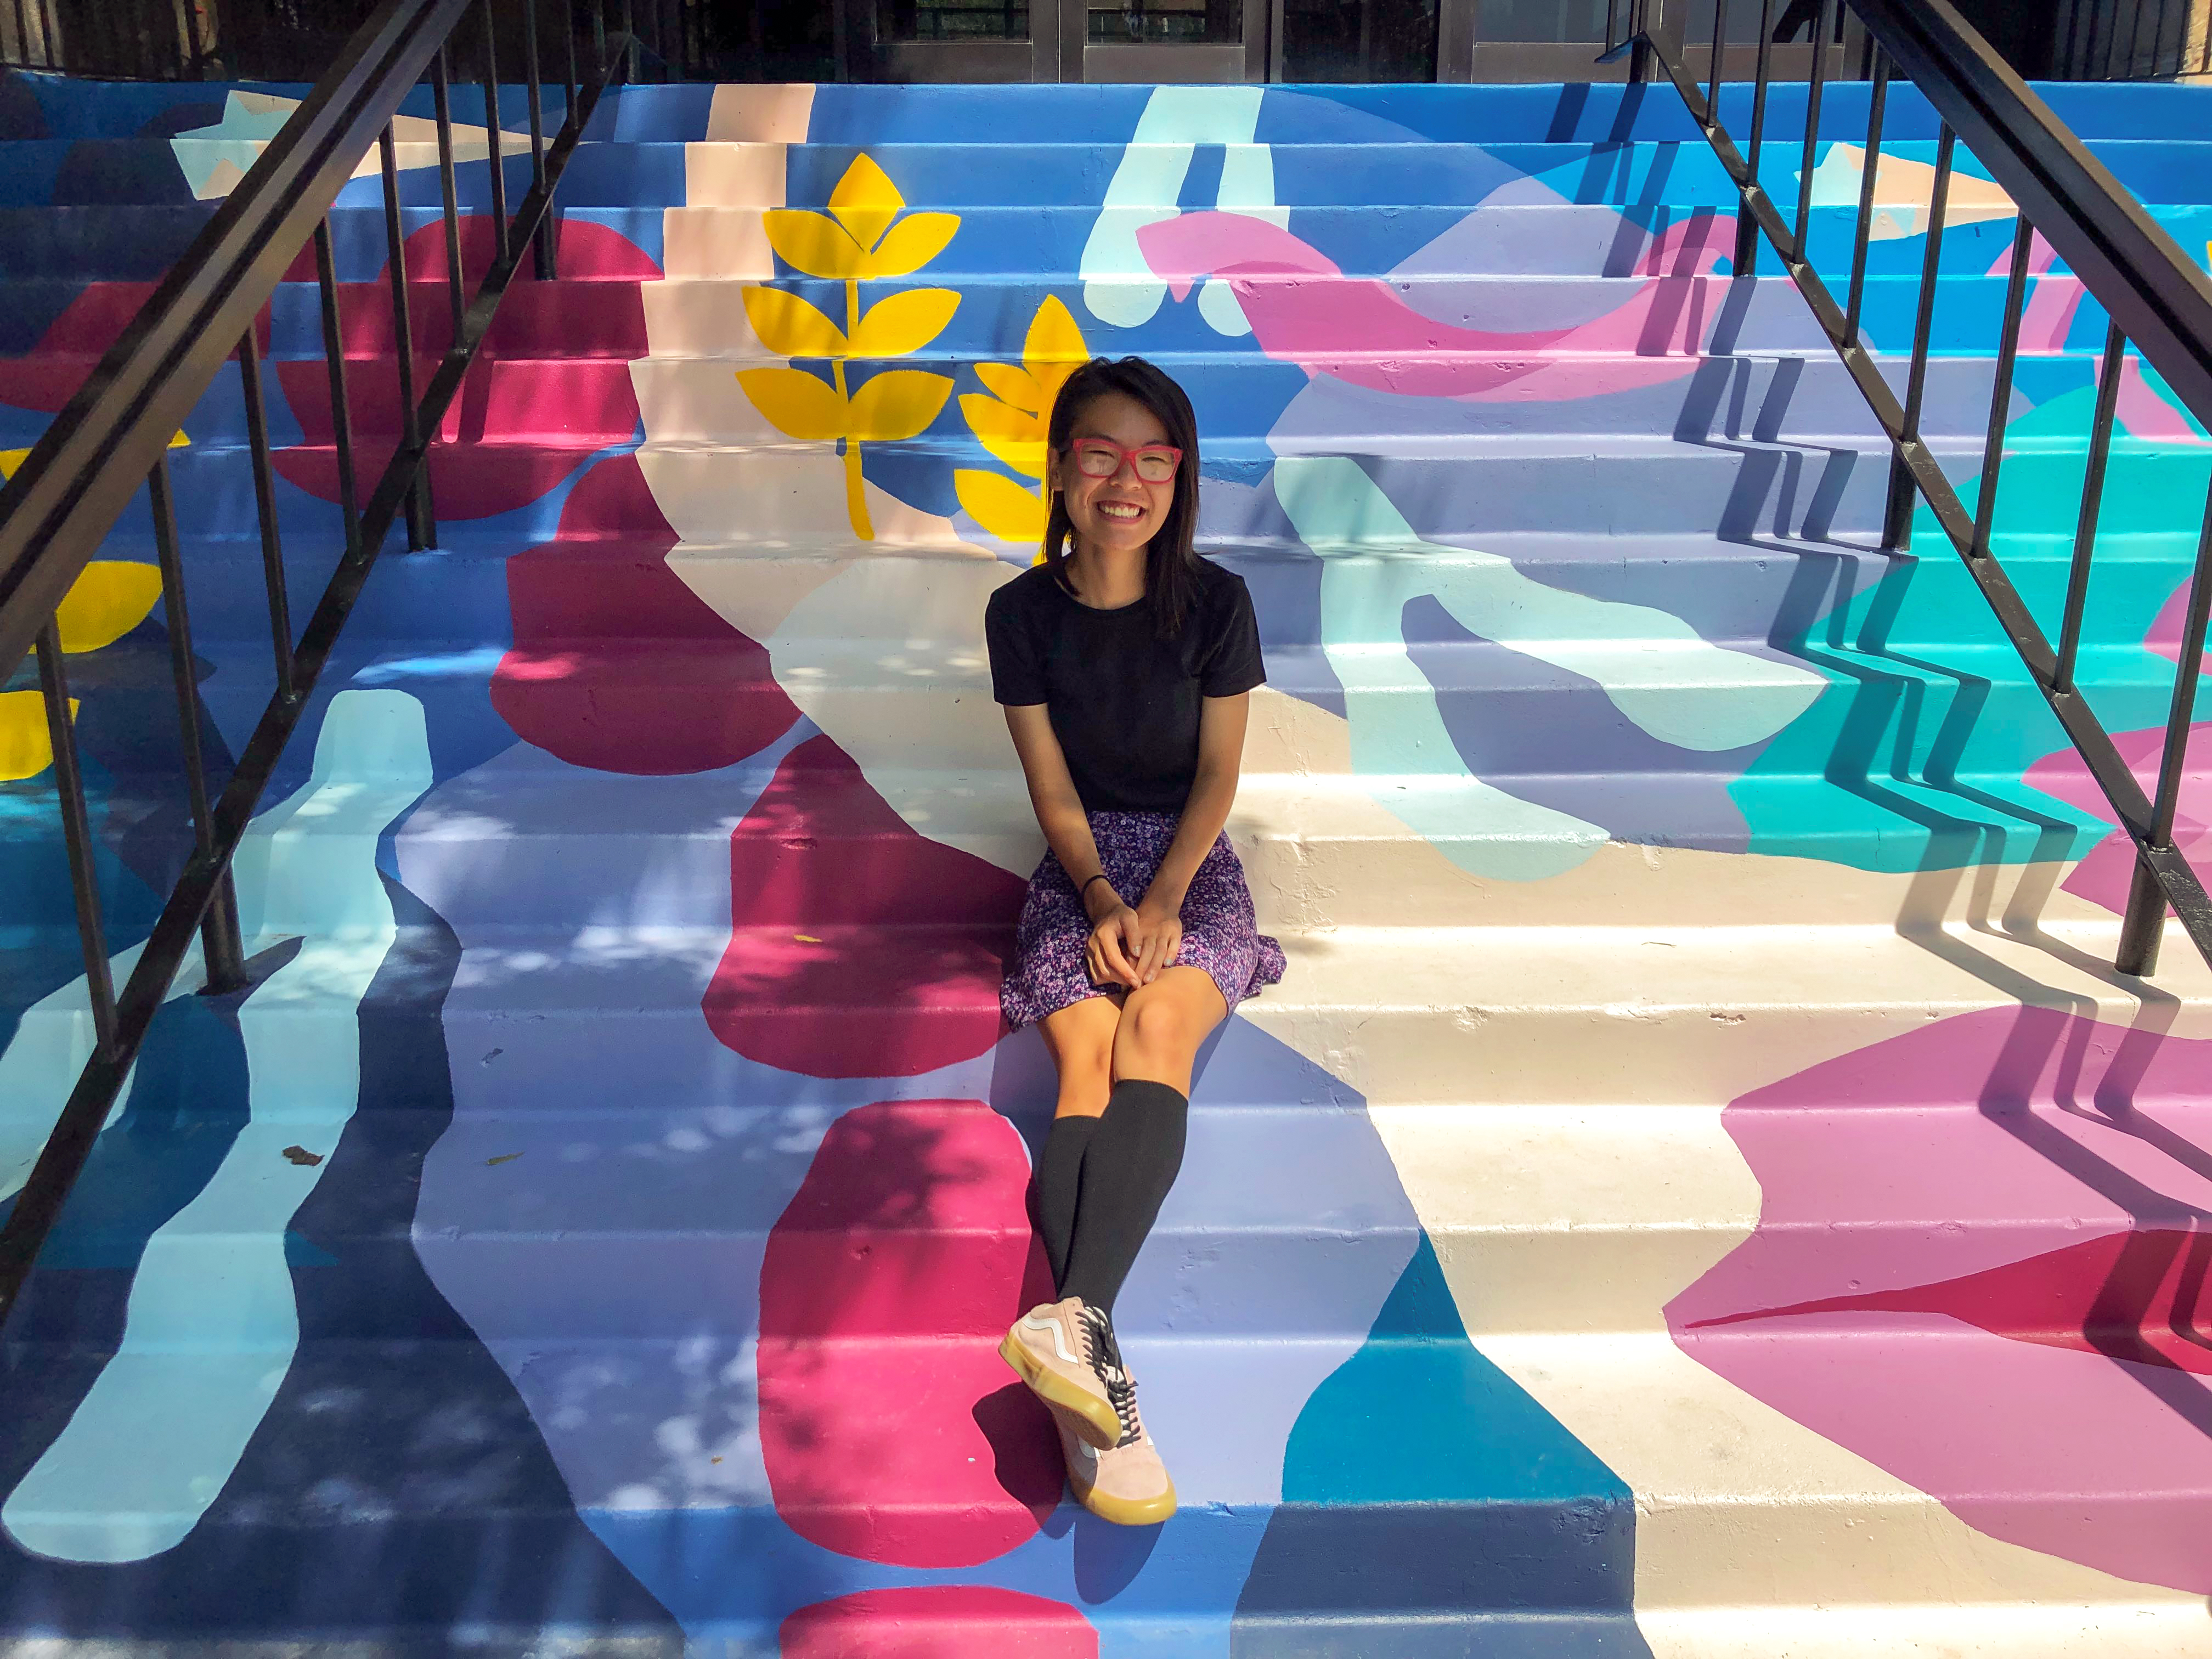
(1121,511)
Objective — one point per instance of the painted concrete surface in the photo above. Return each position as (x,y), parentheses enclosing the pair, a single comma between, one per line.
(591,1222)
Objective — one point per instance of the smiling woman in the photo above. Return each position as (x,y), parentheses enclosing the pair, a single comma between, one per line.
(1125,666)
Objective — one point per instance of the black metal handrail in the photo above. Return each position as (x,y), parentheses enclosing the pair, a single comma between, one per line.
(2153,294)
(113,435)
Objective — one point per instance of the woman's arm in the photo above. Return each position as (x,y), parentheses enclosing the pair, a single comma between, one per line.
(1066,828)
(1221,723)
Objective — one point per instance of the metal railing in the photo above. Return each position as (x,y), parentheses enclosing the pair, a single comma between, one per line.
(2156,298)
(112,438)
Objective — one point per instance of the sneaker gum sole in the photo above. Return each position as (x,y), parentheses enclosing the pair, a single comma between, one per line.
(1091,1418)
(1124,1511)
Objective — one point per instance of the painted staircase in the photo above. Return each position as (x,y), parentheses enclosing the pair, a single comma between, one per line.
(593,1224)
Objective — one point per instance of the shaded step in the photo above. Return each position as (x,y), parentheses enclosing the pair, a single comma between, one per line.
(1484,114)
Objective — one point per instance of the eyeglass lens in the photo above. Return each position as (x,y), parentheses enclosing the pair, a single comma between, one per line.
(1103,460)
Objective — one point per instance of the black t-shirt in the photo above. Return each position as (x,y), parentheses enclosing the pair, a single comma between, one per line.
(1123,702)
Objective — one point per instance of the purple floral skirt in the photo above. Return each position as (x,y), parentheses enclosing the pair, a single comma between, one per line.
(1219,934)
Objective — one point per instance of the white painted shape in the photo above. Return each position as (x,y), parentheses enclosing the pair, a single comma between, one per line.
(1657,669)
(212,1325)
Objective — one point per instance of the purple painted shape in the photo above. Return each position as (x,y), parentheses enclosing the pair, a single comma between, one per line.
(1973,1144)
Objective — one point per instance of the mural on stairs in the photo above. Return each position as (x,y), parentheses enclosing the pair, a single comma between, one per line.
(619,1112)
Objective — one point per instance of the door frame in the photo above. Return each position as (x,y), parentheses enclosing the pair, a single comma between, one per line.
(1058,49)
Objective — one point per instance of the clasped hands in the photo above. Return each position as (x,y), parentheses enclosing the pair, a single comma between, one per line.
(1129,945)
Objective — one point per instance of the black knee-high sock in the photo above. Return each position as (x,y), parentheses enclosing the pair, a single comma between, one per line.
(1059,1180)
(1131,1163)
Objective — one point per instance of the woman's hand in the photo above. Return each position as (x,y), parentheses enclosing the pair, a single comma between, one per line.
(1159,937)
(1129,946)
(1116,937)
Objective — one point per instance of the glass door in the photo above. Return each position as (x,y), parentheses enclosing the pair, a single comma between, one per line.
(1560,39)
(956,39)
(1209,40)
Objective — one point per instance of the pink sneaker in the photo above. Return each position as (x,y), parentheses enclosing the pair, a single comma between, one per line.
(1056,1348)
(1126,1484)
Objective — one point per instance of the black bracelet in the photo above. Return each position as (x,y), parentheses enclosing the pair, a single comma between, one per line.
(1085,888)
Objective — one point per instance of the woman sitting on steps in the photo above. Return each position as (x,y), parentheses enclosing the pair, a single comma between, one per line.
(1124,665)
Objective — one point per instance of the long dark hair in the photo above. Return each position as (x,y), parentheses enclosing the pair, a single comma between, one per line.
(1171,560)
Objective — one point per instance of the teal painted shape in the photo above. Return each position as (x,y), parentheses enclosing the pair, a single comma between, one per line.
(1419,1475)
(1418,1415)
(1916,755)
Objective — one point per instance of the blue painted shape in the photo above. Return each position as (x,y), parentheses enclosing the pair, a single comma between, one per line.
(398,1484)
(1421,1479)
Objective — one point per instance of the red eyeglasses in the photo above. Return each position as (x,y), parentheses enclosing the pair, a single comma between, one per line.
(1102,458)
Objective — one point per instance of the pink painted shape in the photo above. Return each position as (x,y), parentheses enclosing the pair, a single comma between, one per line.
(938,1621)
(859,948)
(2105,875)
(1920,1195)
(529,409)
(2073,1454)
(2135,1295)
(2145,412)
(1303,310)
(617,664)
(48,375)
(2164,635)
(890,1428)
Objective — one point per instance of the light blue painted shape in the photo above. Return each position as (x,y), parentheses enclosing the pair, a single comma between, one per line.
(212,1325)
(1657,669)
(52,1043)
(1118,286)
(248,121)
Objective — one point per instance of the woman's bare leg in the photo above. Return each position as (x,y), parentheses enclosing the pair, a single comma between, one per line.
(1080,1040)
(1161,1026)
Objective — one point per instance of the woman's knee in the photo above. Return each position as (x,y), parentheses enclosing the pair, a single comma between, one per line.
(1157,1029)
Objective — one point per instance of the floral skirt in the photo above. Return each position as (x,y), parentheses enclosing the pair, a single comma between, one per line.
(1219,934)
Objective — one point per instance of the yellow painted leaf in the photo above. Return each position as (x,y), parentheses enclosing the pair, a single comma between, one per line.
(795,403)
(912,243)
(12,459)
(1054,340)
(1002,507)
(812,242)
(896,404)
(110,599)
(790,327)
(26,749)
(866,201)
(904,322)
(1015,438)
(1009,386)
